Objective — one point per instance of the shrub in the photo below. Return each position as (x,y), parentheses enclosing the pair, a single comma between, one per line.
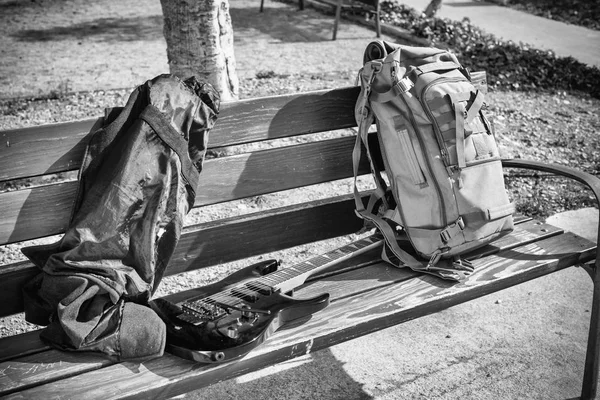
(508,65)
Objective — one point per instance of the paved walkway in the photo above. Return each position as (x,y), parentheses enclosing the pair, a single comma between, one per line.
(503,22)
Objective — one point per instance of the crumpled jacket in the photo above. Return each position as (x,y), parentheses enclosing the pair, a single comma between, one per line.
(137,182)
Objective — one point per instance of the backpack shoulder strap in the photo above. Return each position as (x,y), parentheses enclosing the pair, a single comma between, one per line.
(365,118)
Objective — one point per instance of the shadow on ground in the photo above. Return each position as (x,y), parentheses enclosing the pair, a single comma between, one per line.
(102,29)
(281,24)
(318,376)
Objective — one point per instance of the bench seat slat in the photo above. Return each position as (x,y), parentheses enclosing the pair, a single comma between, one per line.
(46,367)
(45,210)
(526,232)
(404,299)
(385,296)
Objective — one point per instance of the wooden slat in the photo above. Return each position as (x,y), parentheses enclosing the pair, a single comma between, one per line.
(250,174)
(46,367)
(210,243)
(49,149)
(526,232)
(283,116)
(381,307)
(21,345)
(226,240)
(386,296)
(186,253)
(43,211)
(44,149)
(267,231)
(12,279)
(36,212)
(524,235)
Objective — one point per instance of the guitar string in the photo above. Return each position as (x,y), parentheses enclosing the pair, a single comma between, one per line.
(281,276)
(229,298)
(278,277)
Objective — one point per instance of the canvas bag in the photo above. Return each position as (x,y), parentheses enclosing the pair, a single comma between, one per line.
(137,181)
(445,190)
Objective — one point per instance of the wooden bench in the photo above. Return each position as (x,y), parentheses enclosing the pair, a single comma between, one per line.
(368,6)
(367,295)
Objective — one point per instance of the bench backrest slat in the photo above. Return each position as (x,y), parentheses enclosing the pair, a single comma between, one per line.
(59,147)
(226,240)
(45,149)
(45,210)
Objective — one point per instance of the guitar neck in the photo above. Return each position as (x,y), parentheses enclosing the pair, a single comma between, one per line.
(287,279)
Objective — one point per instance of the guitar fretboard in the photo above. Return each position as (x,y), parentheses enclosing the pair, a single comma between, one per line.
(284,280)
(310,267)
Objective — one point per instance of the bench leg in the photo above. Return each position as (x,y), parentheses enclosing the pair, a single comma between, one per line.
(377,19)
(338,14)
(590,374)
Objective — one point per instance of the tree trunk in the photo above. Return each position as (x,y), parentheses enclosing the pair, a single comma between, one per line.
(199,39)
(432,8)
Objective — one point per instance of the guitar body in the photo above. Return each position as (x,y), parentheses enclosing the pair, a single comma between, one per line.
(225,320)
(232,324)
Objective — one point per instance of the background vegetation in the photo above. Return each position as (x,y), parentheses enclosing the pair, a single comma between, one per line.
(577,12)
(512,66)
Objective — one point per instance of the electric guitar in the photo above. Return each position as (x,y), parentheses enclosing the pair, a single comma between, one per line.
(229,318)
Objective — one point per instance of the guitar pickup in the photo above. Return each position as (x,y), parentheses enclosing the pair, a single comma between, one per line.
(246,294)
(260,287)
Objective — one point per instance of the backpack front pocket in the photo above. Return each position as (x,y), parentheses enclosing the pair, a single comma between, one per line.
(407,153)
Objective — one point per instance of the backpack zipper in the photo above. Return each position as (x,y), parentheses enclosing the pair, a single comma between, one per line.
(426,158)
(417,176)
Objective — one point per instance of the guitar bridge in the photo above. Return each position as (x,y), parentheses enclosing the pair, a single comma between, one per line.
(199,311)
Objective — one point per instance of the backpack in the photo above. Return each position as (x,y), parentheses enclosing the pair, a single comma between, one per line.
(444,194)
(137,181)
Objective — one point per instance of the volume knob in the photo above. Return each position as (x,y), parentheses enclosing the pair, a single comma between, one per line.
(232,332)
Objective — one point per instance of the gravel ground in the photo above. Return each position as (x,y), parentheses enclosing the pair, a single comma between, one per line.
(552,127)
